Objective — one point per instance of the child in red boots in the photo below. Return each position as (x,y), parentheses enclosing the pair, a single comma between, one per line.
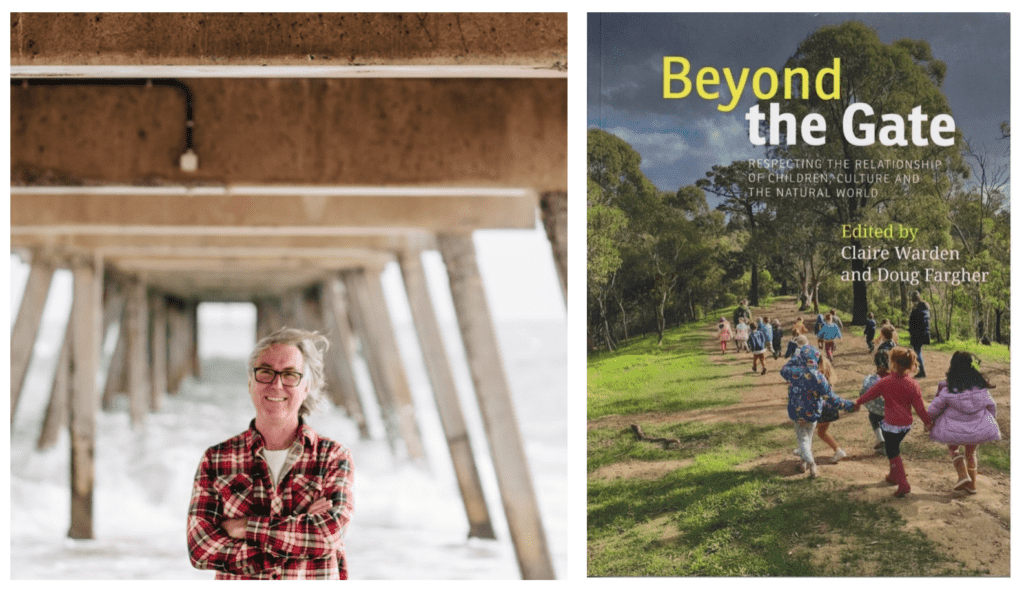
(901,393)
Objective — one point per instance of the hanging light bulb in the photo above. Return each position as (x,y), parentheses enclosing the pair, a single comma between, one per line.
(189,161)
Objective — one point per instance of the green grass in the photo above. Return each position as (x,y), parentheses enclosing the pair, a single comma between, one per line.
(700,515)
(994,352)
(708,518)
(643,377)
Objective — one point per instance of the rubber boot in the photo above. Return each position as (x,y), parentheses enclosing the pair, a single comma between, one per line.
(891,476)
(972,488)
(900,475)
(963,480)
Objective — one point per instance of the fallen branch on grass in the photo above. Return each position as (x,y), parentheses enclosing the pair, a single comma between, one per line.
(664,441)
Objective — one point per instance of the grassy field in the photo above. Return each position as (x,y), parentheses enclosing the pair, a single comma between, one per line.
(706,517)
(643,377)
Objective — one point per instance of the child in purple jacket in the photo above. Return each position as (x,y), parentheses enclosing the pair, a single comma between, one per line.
(963,413)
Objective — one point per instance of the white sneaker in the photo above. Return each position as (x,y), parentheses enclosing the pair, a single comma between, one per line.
(840,454)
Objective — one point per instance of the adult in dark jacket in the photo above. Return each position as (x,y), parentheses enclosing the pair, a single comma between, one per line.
(920,329)
(741,311)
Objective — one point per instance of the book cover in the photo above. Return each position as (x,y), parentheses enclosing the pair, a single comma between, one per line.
(796,170)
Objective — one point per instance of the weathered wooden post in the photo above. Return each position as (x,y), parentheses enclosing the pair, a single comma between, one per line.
(372,323)
(268,316)
(56,416)
(158,350)
(136,319)
(117,371)
(85,348)
(492,391)
(341,379)
(446,395)
(554,214)
(192,326)
(26,326)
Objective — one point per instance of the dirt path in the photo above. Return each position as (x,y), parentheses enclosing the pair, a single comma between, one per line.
(974,529)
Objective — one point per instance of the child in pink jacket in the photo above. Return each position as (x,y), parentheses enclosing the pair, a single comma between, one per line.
(964,414)
(724,333)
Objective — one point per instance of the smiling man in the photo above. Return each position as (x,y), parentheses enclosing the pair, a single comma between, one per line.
(274,502)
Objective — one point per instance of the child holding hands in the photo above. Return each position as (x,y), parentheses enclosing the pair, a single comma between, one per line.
(876,407)
(808,390)
(963,413)
(901,394)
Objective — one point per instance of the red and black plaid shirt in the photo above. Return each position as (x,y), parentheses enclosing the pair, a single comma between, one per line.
(282,541)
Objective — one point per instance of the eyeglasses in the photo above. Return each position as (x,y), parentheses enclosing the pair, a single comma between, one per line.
(265,375)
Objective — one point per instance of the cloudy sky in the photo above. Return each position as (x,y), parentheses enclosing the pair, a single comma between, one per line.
(679,140)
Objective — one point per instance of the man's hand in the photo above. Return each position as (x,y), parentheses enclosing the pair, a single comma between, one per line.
(235,527)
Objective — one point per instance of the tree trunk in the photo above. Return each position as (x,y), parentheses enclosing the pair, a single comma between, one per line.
(860,292)
(604,321)
(752,296)
(625,327)
(660,318)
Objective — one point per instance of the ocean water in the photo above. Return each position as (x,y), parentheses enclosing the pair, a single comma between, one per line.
(409,522)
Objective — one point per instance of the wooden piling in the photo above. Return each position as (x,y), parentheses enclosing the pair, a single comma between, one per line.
(177,344)
(445,395)
(554,214)
(492,391)
(370,319)
(55,417)
(158,350)
(338,361)
(26,326)
(86,316)
(117,371)
(136,320)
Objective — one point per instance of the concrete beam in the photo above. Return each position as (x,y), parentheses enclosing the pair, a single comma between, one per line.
(453,132)
(252,241)
(187,210)
(329,39)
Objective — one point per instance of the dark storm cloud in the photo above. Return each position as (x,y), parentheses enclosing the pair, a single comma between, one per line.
(679,140)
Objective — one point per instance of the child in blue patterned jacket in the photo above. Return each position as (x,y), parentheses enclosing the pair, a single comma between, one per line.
(808,390)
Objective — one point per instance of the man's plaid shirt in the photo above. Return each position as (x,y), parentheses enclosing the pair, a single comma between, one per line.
(282,541)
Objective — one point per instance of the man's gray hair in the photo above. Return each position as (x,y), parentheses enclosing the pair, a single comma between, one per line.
(312,345)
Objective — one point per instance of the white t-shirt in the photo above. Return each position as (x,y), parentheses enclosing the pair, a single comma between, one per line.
(275,461)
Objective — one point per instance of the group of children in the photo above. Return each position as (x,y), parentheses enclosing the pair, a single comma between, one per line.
(758,336)
(961,415)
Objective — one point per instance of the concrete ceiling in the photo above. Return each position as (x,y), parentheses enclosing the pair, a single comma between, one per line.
(364,137)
